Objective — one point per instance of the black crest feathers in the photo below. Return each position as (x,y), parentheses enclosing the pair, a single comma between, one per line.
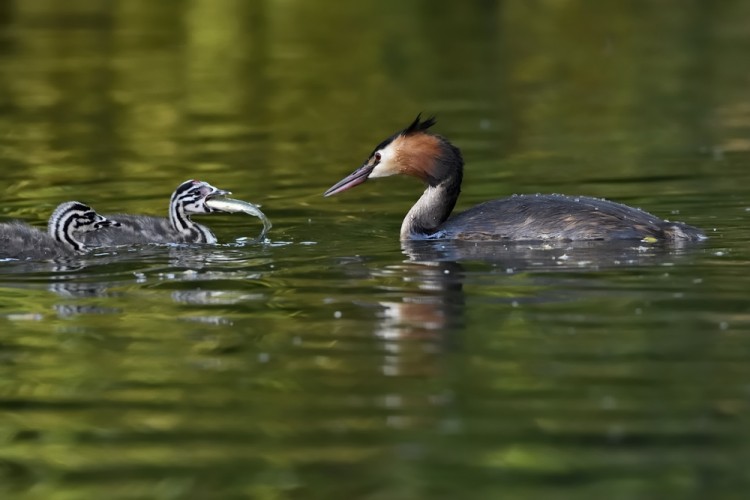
(417,126)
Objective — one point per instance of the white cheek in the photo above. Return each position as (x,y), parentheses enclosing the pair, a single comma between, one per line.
(386,166)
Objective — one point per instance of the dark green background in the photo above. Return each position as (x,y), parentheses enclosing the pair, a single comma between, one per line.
(331,362)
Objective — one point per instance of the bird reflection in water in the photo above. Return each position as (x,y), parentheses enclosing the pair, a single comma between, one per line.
(428,316)
(424,320)
(547,256)
(191,275)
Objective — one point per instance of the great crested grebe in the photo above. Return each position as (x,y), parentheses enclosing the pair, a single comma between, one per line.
(439,164)
(189,198)
(68,223)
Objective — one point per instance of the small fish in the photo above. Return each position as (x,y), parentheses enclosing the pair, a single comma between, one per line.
(233,206)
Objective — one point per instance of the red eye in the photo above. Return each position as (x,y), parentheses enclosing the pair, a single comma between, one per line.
(377,157)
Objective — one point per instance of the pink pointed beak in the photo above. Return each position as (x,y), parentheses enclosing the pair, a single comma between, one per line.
(354,179)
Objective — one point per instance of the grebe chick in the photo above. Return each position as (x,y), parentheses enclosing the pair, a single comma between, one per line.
(68,223)
(188,199)
(439,164)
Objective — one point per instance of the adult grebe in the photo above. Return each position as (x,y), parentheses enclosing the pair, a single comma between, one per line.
(189,198)
(68,223)
(439,164)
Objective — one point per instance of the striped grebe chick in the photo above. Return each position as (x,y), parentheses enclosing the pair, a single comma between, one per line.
(432,159)
(64,237)
(188,199)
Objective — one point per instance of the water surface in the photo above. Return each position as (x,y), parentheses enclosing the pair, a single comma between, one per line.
(331,361)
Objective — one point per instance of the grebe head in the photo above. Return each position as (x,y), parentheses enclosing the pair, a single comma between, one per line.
(190,197)
(73,218)
(413,151)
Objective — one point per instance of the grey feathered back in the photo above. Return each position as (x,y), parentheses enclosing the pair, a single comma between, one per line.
(141,230)
(19,240)
(188,199)
(560,217)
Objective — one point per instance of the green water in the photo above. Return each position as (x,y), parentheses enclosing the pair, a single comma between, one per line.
(331,362)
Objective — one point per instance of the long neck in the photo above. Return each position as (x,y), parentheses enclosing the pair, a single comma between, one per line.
(63,230)
(183,224)
(179,219)
(435,205)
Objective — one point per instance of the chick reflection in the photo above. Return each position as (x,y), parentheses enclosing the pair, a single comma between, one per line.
(78,293)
